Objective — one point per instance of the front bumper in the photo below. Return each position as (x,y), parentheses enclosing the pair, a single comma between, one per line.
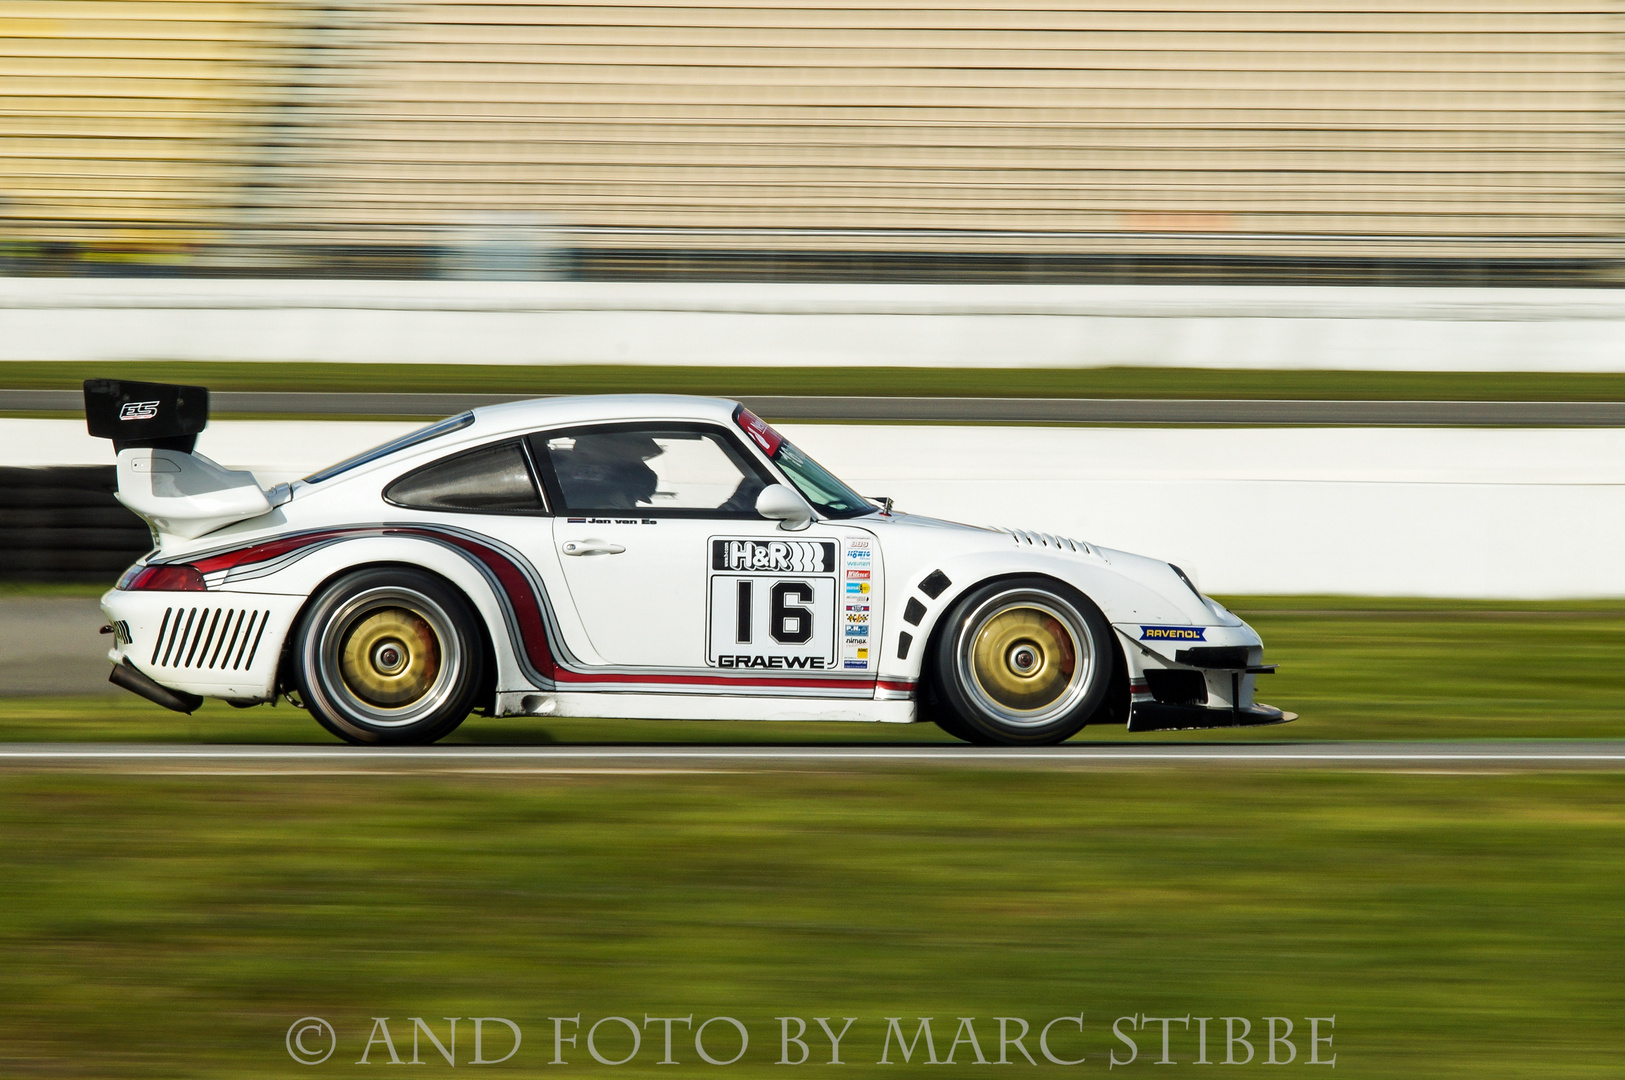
(1204,681)
(1155,716)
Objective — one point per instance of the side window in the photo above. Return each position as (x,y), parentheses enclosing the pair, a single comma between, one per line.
(650,469)
(492,480)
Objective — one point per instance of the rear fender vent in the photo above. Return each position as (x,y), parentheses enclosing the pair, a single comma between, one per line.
(1177,687)
(209,639)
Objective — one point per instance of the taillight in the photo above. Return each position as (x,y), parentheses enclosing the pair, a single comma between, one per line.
(176,578)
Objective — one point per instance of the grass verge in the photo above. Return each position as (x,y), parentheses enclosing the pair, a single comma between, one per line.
(1353,668)
(883,382)
(1456,926)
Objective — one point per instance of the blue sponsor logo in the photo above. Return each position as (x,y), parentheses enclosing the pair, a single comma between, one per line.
(1173,633)
(859,588)
(859,664)
(857,631)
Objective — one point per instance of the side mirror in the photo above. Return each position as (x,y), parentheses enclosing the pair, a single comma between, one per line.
(782,504)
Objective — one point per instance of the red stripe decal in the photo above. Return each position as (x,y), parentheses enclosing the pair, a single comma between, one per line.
(527,609)
(266,551)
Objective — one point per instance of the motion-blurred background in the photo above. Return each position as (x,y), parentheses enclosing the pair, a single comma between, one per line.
(1367,142)
(849,213)
(1308,297)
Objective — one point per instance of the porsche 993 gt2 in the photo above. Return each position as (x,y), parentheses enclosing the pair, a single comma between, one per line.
(631,556)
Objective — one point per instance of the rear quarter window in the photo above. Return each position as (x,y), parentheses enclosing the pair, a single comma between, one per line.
(489,480)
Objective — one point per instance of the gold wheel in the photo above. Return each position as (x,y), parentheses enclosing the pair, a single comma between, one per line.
(1026,659)
(390,658)
(1023,658)
(389,655)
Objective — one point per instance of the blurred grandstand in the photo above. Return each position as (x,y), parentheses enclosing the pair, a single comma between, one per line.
(1393,141)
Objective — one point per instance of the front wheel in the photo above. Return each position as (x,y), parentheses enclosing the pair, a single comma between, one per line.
(388,656)
(1025,661)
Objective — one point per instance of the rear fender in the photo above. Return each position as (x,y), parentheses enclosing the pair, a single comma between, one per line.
(332,559)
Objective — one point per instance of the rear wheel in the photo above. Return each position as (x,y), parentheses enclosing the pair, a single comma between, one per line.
(389,656)
(1025,661)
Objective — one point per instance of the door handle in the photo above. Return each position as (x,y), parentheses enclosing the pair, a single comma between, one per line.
(592,547)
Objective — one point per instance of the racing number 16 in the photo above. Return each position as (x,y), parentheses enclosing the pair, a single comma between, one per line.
(789,621)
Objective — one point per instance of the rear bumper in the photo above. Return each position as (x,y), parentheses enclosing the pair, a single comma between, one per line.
(204,644)
(1154,716)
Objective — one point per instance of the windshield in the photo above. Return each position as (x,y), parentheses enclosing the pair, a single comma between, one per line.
(828,495)
(410,439)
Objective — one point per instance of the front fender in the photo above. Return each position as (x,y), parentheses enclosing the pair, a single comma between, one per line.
(1128,589)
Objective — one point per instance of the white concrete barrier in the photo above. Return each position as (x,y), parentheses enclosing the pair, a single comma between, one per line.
(757,324)
(1411,511)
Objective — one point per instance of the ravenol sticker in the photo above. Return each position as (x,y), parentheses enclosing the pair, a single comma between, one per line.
(1173,633)
(138,410)
(858,587)
(774,556)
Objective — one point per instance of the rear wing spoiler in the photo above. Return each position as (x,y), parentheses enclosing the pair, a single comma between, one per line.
(145,414)
(154,429)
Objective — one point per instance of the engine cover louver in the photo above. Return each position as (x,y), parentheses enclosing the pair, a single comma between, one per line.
(205,638)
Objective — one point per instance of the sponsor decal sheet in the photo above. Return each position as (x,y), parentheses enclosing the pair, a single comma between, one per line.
(792,604)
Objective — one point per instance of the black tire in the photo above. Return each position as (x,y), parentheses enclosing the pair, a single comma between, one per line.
(1022,661)
(389,656)
(932,709)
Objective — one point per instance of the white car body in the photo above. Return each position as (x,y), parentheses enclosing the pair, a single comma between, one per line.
(631,615)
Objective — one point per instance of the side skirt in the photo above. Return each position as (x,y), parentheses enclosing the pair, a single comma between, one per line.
(701,707)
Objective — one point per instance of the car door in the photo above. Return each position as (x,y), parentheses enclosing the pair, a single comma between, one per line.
(669,566)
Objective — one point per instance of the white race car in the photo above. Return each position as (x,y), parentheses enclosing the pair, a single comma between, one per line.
(631,556)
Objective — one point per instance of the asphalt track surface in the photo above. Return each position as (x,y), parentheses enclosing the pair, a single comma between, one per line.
(1466,757)
(963,410)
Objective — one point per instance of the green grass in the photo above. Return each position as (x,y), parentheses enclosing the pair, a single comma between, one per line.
(1353,668)
(1398,669)
(748,381)
(81,589)
(1457,926)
